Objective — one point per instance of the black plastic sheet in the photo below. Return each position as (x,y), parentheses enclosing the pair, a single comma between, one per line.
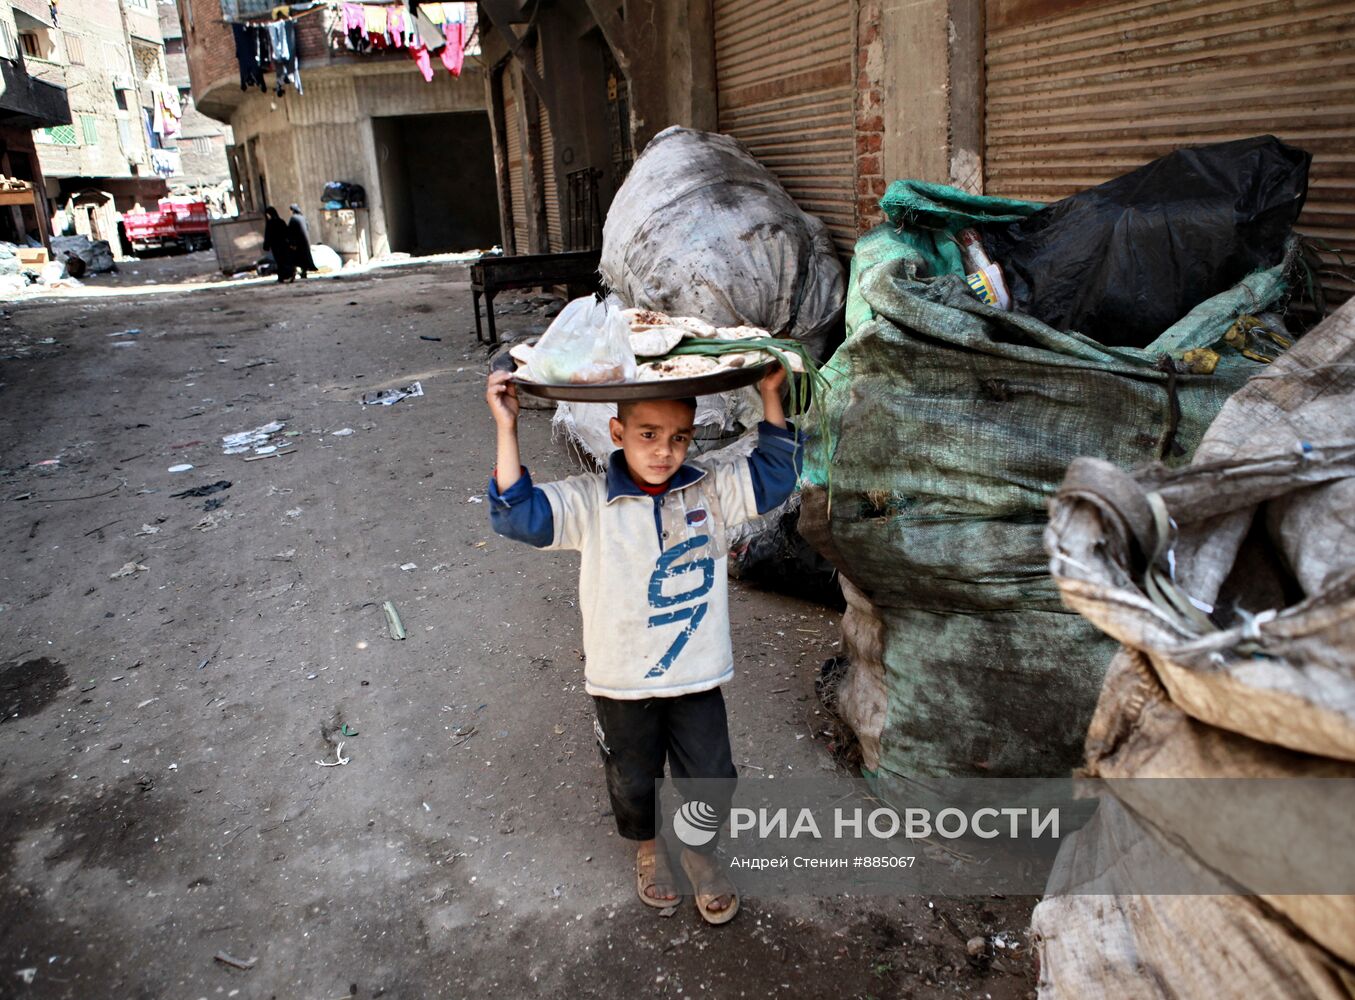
(1123,261)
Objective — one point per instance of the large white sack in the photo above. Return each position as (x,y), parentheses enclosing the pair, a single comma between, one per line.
(700,228)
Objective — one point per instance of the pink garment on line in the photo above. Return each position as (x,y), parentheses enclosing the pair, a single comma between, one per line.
(452,55)
(419,53)
(354,16)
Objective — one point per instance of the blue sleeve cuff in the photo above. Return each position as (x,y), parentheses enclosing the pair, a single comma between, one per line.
(775,464)
(515,494)
(522,512)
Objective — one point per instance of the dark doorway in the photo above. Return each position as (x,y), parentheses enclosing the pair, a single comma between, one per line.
(437,182)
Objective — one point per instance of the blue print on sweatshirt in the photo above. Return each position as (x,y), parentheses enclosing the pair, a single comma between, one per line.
(665,570)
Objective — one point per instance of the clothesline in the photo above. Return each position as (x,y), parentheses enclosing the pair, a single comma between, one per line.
(432,29)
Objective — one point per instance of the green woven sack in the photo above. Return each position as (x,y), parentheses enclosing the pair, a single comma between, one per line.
(951,424)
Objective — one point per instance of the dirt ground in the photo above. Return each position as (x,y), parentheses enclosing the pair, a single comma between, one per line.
(160,796)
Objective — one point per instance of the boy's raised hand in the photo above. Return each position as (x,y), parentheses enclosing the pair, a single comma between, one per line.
(769,386)
(772,381)
(502,396)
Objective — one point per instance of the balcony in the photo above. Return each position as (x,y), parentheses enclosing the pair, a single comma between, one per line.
(27,103)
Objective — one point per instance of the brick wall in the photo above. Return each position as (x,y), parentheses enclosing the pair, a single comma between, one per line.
(870,127)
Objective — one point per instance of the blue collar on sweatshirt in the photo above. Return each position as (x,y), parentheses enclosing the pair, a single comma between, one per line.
(620,484)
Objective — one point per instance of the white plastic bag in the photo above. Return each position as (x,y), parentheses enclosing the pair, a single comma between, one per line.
(587,344)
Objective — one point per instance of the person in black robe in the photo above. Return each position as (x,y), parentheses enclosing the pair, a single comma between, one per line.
(301,241)
(277,240)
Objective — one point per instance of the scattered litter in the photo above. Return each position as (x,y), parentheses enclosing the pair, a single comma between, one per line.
(132,332)
(668,911)
(147,702)
(434,339)
(235,444)
(559,730)
(342,432)
(273,491)
(186,444)
(215,503)
(148,529)
(123,343)
(236,963)
(179,468)
(27,975)
(475,499)
(409,566)
(49,461)
(204,491)
(396,626)
(346,732)
(275,453)
(294,512)
(128,569)
(427,807)
(213,520)
(976,946)
(385,397)
(462,734)
(285,556)
(442,567)
(47,340)
(267,449)
(341,759)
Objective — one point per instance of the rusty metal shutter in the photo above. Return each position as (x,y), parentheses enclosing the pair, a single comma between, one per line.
(555,233)
(1079,93)
(517,189)
(784,75)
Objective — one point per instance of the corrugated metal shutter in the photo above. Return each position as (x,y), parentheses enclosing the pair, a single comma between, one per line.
(516,188)
(555,233)
(1077,95)
(784,74)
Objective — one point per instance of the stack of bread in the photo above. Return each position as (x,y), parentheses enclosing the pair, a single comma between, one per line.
(654,335)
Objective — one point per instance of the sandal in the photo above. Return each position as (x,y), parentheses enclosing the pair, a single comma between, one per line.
(715,884)
(647,876)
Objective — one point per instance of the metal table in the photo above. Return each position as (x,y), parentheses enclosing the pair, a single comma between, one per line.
(576,269)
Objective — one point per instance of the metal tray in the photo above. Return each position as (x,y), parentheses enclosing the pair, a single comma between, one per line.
(668,388)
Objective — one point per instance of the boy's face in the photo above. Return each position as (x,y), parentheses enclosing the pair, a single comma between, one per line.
(654,435)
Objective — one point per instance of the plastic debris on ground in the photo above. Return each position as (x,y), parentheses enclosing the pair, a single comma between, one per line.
(385,397)
(204,491)
(235,444)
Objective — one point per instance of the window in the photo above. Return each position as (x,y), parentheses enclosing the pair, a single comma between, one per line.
(120,96)
(59,135)
(32,47)
(125,136)
(9,45)
(89,129)
(75,50)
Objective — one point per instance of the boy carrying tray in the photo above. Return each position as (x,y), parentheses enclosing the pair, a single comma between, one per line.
(653,589)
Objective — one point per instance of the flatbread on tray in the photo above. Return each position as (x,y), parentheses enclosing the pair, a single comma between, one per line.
(655,341)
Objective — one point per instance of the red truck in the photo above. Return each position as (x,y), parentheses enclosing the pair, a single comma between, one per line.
(177,222)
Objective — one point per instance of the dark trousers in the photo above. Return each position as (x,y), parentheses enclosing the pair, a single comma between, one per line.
(634,737)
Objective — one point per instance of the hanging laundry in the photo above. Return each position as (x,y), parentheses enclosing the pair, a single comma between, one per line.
(430,32)
(286,56)
(419,53)
(435,12)
(247,41)
(171,112)
(453,56)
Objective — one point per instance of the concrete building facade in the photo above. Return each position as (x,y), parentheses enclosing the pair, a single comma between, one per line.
(419,148)
(109,56)
(202,141)
(26,104)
